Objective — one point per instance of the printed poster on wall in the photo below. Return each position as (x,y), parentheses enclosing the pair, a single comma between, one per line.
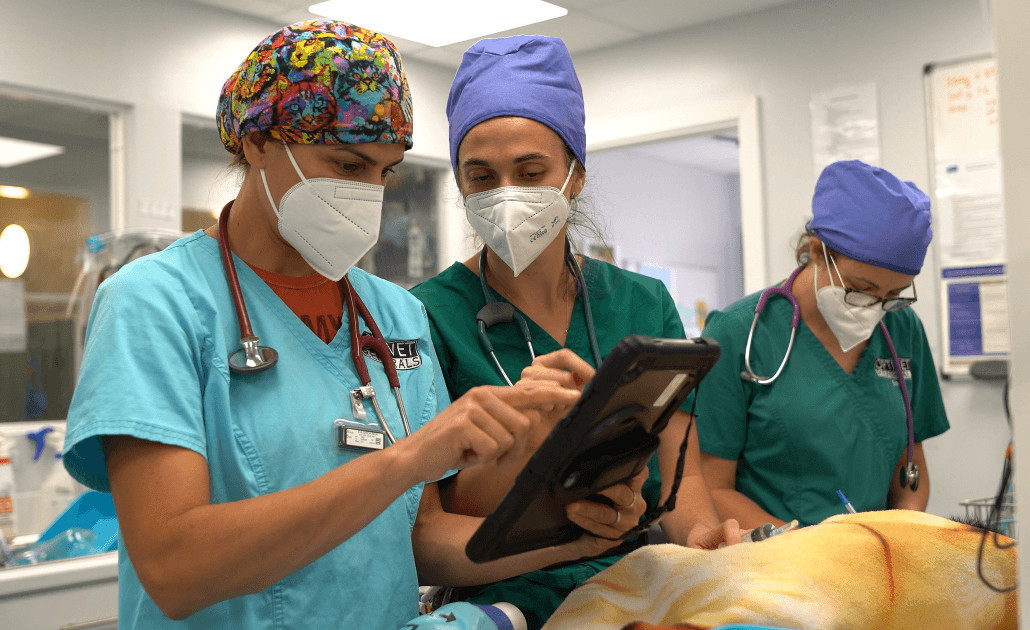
(845,126)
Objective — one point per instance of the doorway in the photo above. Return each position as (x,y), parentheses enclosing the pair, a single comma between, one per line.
(672,209)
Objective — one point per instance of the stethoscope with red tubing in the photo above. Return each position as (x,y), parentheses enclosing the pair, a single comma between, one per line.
(253,357)
(909,475)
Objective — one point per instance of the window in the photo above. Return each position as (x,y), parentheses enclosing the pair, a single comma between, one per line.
(60,195)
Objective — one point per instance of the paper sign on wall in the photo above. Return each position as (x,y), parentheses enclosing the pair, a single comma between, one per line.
(845,126)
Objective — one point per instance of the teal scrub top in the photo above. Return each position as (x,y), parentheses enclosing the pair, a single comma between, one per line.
(816,429)
(155,368)
(622,303)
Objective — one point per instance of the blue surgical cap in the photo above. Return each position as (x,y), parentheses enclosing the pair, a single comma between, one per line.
(871,216)
(530,76)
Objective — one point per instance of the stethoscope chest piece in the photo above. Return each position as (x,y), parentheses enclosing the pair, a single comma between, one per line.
(252,358)
(909,476)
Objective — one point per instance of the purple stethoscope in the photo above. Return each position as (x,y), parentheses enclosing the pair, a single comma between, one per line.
(909,476)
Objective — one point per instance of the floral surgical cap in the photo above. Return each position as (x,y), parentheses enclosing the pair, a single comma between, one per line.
(318,82)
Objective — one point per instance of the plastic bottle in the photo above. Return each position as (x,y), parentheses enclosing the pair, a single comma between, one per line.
(7,517)
(71,543)
(56,488)
(465,616)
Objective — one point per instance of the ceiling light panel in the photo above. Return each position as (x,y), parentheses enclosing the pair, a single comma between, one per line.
(441,22)
(14,152)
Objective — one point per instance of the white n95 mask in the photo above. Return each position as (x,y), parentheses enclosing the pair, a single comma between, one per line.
(519,222)
(851,325)
(332,223)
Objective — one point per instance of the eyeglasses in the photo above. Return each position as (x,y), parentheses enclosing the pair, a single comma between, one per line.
(854,297)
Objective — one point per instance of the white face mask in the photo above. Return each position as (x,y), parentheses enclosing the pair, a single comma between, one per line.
(519,222)
(332,223)
(851,325)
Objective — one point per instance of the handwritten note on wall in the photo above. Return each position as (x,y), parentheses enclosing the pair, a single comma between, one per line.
(965,109)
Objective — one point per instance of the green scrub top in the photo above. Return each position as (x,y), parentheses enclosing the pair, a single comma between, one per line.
(816,429)
(621,302)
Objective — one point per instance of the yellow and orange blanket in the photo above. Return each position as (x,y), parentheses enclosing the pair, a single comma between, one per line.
(892,570)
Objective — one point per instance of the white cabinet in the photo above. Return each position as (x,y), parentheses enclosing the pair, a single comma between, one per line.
(76,594)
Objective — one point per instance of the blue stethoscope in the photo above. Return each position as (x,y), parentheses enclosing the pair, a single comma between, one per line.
(909,476)
(497,312)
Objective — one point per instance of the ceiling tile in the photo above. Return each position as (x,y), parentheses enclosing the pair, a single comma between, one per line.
(258,8)
(294,15)
(578,4)
(301,5)
(578,30)
(657,16)
(589,25)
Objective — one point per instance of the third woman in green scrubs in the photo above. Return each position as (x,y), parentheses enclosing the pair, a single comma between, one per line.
(834,419)
(518,145)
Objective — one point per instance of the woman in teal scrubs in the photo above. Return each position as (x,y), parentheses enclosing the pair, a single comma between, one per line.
(834,419)
(518,145)
(237,507)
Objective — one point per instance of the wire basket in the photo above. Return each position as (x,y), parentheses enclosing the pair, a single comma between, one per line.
(979,510)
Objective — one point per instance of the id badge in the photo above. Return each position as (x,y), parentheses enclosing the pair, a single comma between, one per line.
(358,435)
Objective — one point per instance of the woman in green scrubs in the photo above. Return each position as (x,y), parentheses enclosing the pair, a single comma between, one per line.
(834,419)
(517,145)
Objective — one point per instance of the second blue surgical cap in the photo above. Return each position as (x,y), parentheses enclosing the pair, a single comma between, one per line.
(528,76)
(871,216)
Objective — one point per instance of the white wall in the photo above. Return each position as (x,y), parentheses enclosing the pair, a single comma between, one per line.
(207,184)
(783,56)
(698,211)
(159,61)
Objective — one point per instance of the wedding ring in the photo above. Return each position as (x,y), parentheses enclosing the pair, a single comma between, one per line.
(618,517)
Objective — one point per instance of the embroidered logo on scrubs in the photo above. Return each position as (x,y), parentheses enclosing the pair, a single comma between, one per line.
(405,354)
(885,368)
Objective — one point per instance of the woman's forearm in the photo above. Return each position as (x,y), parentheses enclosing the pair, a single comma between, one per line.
(694,505)
(476,490)
(732,504)
(188,559)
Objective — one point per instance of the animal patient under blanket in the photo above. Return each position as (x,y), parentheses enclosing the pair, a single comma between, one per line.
(888,570)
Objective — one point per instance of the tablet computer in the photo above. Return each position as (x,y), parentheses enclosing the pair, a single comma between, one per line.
(607,438)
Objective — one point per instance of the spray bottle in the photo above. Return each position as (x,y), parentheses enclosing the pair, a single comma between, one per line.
(7,522)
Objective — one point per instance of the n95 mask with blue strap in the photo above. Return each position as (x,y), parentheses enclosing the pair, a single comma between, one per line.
(331,223)
(518,222)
